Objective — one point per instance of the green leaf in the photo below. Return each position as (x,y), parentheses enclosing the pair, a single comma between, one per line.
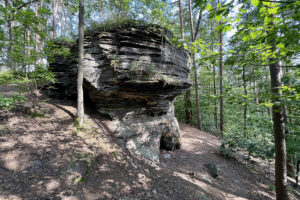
(209,7)
(280,45)
(218,18)
(253,35)
(255,2)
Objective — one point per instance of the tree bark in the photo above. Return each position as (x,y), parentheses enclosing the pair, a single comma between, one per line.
(54,23)
(10,39)
(256,95)
(187,95)
(221,82)
(279,134)
(278,122)
(215,82)
(245,102)
(297,172)
(199,123)
(80,108)
(36,38)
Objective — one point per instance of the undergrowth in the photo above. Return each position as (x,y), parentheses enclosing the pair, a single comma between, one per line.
(120,23)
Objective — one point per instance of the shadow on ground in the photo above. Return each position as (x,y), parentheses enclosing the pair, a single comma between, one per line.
(47,158)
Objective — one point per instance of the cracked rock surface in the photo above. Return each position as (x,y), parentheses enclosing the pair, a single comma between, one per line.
(131,75)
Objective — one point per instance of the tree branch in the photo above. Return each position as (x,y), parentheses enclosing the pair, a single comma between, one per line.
(198,24)
(25,4)
(279,1)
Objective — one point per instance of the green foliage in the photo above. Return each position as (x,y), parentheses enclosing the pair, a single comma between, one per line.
(79,127)
(121,23)
(271,187)
(24,20)
(6,77)
(35,80)
(7,103)
(59,47)
(37,114)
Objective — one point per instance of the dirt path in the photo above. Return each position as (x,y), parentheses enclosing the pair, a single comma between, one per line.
(47,158)
(235,181)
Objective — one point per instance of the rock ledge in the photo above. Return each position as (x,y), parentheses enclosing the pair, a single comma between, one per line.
(131,75)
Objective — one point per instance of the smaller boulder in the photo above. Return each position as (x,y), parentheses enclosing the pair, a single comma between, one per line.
(212,170)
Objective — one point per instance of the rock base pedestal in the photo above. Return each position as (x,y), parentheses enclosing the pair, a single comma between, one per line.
(131,75)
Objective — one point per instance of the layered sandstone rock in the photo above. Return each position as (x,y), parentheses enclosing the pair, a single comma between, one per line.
(132,75)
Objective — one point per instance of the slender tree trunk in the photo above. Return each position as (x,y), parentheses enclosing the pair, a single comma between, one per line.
(10,40)
(9,43)
(256,95)
(199,124)
(221,84)
(245,102)
(54,23)
(101,12)
(208,100)
(24,50)
(80,108)
(297,172)
(28,48)
(187,95)
(215,82)
(36,38)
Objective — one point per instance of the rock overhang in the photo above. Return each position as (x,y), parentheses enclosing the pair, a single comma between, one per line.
(133,75)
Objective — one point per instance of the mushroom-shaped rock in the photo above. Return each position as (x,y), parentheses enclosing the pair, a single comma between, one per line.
(132,75)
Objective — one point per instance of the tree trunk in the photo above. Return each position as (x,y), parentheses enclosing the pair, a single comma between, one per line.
(199,124)
(10,40)
(256,95)
(297,172)
(278,122)
(101,12)
(54,23)
(187,95)
(215,83)
(28,48)
(245,102)
(24,50)
(221,85)
(279,134)
(36,38)
(80,108)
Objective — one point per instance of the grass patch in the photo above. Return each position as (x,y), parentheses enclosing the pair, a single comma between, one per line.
(120,23)
(37,114)
(79,179)
(79,127)
(64,41)
(82,163)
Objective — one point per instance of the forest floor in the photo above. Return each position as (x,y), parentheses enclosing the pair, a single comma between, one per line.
(46,157)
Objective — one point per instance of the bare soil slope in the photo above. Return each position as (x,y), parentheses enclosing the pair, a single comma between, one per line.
(48,158)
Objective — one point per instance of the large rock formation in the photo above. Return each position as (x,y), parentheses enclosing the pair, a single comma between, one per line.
(132,75)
